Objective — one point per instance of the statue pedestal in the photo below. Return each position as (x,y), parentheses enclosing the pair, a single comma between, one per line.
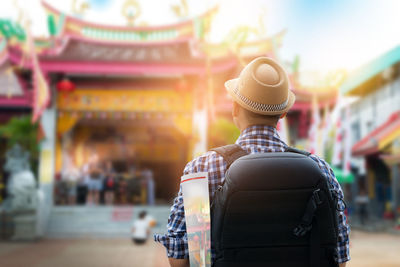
(25,226)
(6,225)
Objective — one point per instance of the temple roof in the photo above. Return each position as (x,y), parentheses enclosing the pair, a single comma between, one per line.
(67,25)
(75,49)
(80,47)
(171,48)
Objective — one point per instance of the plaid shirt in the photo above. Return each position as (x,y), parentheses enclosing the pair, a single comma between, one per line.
(254,139)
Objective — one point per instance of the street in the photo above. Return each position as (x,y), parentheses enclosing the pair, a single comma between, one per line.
(367,249)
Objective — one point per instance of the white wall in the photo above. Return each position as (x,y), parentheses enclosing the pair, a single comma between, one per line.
(374,109)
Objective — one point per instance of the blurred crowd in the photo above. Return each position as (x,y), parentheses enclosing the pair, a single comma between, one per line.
(98,183)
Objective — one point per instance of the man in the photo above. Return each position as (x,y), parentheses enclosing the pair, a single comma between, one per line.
(261,97)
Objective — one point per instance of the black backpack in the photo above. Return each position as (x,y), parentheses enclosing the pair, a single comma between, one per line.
(274,209)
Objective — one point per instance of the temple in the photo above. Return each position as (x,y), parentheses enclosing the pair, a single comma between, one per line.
(136,96)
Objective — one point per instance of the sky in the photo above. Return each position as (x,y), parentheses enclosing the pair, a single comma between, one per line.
(327,35)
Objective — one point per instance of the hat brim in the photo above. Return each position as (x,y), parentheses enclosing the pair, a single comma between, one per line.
(231,85)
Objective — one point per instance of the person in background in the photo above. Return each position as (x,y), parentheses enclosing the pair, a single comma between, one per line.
(147,175)
(69,175)
(82,184)
(95,182)
(141,228)
(362,201)
(121,190)
(70,178)
(109,183)
(60,190)
(134,186)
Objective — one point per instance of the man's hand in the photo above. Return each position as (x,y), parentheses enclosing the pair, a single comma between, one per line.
(180,262)
(342,264)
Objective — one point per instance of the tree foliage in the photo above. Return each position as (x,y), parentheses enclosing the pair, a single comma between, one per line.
(20,130)
(222,132)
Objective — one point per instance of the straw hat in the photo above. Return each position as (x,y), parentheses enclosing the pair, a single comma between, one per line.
(262,87)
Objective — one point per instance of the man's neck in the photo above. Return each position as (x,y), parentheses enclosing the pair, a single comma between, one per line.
(247,125)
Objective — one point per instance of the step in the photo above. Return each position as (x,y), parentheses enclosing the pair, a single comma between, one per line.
(100,221)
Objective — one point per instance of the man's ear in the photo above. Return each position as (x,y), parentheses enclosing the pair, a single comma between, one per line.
(283,115)
(235,109)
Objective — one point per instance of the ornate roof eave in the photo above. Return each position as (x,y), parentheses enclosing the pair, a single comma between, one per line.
(18,95)
(57,46)
(68,25)
(304,94)
(136,68)
(49,63)
(304,98)
(264,46)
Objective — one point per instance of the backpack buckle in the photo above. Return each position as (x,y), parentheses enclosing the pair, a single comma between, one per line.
(316,197)
(301,230)
(306,221)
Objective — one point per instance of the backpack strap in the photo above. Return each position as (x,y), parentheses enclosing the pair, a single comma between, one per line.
(306,223)
(298,151)
(230,153)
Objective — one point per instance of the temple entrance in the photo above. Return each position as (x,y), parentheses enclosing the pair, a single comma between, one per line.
(141,137)
(146,155)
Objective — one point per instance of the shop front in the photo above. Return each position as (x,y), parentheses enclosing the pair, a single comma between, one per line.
(380,149)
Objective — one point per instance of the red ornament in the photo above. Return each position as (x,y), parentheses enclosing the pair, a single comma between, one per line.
(181,85)
(65,85)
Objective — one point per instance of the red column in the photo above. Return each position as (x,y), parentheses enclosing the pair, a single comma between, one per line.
(303,124)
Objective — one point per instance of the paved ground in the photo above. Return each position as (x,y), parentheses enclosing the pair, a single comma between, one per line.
(367,249)
(85,253)
(374,249)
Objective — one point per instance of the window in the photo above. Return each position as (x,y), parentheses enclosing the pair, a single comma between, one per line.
(356,132)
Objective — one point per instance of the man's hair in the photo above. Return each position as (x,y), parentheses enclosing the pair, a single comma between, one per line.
(142,214)
(261,119)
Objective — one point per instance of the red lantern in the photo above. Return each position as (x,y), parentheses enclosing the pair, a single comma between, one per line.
(181,85)
(65,85)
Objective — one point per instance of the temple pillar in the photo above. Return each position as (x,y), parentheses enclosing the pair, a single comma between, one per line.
(46,168)
(200,118)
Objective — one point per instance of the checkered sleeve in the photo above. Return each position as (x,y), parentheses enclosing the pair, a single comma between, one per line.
(175,240)
(343,248)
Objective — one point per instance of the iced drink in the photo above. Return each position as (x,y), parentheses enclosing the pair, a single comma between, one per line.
(197,214)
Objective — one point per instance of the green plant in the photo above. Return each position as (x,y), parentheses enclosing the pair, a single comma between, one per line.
(20,130)
(222,132)
(329,147)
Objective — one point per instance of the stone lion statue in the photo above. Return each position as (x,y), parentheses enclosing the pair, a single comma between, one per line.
(21,188)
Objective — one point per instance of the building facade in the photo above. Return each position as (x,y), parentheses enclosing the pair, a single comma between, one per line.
(375,124)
